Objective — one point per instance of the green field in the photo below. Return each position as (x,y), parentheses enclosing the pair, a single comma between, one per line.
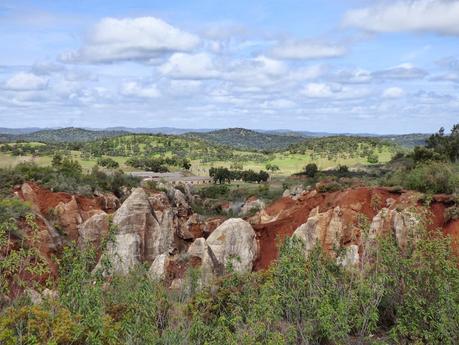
(288,163)
(327,153)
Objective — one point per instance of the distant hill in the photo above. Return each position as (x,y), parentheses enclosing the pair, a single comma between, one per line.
(246,139)
(157,130)
(62,135)
(236,137)
(407,140)
(16,131)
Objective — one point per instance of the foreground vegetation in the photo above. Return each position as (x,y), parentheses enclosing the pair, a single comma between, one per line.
(65,176)
(408,296)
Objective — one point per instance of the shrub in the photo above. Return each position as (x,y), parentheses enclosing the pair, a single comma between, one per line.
(373,159)
(343,169)
(429,308)
(329,186)
(311,169)
(214,192)
(452,213)
(108,163)
(427,178)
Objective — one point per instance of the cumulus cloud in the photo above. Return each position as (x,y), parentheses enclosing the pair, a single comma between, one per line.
(353,76)
(256,72)
(318,90)
(142,38)
(302,50)
(135,89)
(333,91)
(184,87)
(437,16)
(403,71)
(393,92)
(190,66)
(47,68)
(24,81)
(449,77)
(431,97)
(279,104)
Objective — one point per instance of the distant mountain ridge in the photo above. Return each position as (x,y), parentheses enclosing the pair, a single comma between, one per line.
(240,138)
(61,135)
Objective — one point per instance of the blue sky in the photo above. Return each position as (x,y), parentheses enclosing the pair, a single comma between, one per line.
(329,65)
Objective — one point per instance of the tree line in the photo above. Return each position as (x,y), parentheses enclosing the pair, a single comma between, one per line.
(223,175)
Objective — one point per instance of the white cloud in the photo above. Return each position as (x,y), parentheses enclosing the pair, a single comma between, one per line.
(184,87)
(47,68)
(135,89)
(304,73)
(355,76)
(270,66)
(302,50)
(438,16)
(318,90)
(279,104)
(140,38)
(402,71)
(23,81)
(334,91)
(393,92)
(449,77)
(189,66)
(256,72)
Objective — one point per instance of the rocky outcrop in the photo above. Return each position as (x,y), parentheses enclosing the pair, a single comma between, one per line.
(94,230)
(404,225)
(294,191)
(344,221)
(234,244)
(141,233)
(324,229)
(158,268)
(251,205)
(159,223)
(122,254)
(68,217)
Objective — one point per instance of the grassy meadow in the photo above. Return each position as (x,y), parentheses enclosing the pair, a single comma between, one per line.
(327,153)
(288,163)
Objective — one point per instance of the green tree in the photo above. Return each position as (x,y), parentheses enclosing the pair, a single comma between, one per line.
(311,169)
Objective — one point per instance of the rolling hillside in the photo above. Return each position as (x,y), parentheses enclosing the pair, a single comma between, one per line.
(61,135)
(246,139)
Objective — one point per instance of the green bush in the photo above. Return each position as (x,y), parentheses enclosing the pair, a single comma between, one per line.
(108,162)
(405,296)
(214,192)
(67,177)
(431,177)
(311,169)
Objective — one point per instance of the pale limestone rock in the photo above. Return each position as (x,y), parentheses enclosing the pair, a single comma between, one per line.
(350,256)
(158,268)
(324,229)
(251,205)
(234,243)
(123,253)
(406,226)
(93,230)
(69,217)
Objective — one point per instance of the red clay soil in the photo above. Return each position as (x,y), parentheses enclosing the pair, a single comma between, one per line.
(176,269)
(46,200)
(368,201)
